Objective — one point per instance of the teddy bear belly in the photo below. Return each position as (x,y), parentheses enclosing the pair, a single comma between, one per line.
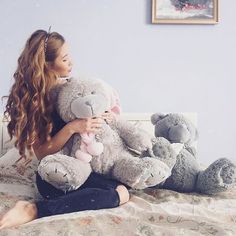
(113,146)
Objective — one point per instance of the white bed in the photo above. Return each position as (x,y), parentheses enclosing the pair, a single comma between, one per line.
(149,212)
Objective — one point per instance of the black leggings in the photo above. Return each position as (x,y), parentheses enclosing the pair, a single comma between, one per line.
(97,192)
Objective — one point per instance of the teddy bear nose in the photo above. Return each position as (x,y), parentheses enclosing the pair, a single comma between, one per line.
(88,103)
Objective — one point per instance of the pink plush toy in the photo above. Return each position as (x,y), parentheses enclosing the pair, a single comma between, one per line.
(89,146)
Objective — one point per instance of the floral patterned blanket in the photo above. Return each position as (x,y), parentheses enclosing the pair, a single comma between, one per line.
(149,212)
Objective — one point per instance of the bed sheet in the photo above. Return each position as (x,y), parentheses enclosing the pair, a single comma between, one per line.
(149,212)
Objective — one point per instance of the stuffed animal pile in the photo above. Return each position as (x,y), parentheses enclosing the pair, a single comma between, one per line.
(125,152)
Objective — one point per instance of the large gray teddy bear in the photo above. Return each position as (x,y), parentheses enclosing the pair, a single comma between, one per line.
(187,175)
(127,150)
(129,154)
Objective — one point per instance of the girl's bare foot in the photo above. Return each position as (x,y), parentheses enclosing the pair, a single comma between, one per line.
(21,213)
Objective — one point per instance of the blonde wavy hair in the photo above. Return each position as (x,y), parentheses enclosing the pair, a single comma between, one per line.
(29,104)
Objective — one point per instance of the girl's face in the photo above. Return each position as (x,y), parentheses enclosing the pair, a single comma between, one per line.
(63,63)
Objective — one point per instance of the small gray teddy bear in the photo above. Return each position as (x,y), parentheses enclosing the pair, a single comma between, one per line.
(187,175)
(127,149)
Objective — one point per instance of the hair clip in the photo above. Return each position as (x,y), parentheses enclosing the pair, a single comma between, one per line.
(46,39)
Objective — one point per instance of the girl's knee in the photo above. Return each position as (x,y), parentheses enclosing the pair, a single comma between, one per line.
(123,194)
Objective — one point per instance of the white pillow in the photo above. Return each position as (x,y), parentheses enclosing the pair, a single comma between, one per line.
(14,183)
(8,167)
(9,157)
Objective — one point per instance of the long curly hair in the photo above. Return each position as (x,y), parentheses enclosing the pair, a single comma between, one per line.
(29,106)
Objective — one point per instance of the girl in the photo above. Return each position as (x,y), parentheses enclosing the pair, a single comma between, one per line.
(37,128)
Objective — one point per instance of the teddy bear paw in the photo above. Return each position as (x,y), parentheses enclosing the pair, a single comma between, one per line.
(155,173)
(218,177)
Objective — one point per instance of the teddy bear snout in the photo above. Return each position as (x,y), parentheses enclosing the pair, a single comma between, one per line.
(89,106)
(89,103)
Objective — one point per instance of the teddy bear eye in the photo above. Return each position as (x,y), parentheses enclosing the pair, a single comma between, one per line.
(93,92)
(79,94)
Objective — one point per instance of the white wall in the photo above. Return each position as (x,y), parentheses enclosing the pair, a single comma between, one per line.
(153,67)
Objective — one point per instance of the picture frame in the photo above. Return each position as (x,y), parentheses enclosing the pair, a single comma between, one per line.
(185,12)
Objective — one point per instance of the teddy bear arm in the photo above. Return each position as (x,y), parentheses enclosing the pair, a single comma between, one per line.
(140,173)
(134,137)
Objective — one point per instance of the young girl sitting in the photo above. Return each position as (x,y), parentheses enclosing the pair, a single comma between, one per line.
(36,127)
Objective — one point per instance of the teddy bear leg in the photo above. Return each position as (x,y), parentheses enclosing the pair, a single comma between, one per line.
(140,173)
(184,173)
(64,172)
(159,172)
(218,177)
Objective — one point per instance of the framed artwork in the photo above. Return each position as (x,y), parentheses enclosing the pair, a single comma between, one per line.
(185,11)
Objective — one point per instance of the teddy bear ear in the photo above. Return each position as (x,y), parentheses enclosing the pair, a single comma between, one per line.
(112,96)
(157,117)
(115,102)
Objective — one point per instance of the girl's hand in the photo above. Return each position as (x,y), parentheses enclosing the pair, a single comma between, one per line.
(86,125)
(108,116)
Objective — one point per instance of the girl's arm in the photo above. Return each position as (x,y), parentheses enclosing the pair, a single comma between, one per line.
(59,139)
(55,144)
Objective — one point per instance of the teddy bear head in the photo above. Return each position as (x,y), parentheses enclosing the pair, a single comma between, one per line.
(84,98)
(174,127)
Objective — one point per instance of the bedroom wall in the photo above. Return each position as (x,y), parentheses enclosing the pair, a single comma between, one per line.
(188,68)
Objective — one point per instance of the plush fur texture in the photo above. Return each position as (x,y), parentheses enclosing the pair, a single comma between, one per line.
(61,171)
(187,175)
(127,150)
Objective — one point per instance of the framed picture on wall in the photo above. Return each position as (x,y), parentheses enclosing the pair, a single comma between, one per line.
(185,11)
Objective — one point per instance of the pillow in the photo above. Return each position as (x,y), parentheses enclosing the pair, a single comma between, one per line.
(14,183)
(5,142)
(9,168)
